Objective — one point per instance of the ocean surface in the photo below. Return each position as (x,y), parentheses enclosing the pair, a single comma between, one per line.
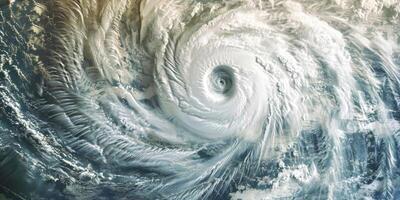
(200,99)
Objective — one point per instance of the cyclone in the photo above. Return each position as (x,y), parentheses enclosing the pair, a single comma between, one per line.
(200,99)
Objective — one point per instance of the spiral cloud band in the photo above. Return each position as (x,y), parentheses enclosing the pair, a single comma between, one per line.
(200,99)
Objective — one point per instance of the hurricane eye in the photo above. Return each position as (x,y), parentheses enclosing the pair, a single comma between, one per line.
(222,79)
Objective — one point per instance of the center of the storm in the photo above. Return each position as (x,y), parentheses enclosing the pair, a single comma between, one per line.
(222,80)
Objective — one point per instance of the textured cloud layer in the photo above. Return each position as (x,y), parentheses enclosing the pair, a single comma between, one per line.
(177,99)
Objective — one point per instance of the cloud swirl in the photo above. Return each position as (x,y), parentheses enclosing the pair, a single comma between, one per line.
(172,99)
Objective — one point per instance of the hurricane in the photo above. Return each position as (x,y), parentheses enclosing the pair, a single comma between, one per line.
(200,99)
